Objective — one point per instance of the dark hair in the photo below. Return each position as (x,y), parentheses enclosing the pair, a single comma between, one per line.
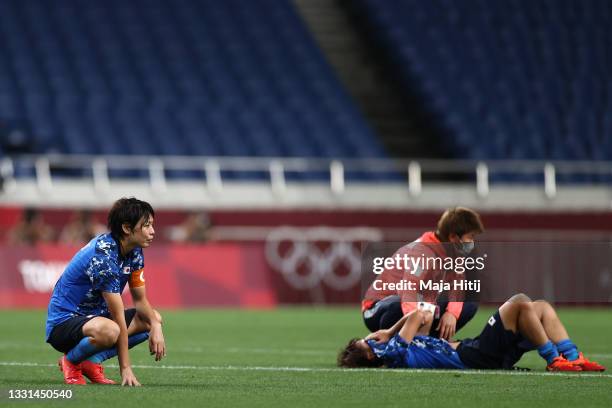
(459,221)
(353,357)
(127,211)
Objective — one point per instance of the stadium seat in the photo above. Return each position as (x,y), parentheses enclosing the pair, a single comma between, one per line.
(230,78)
(507,80)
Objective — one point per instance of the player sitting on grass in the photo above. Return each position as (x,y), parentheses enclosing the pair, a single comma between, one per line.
(499,346)
(86,319)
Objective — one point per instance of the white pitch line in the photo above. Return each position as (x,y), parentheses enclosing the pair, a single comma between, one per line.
(332,370)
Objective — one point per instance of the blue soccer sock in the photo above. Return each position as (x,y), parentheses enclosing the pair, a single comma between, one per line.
(81,351)
(548,351)
(133,340)
(568,349)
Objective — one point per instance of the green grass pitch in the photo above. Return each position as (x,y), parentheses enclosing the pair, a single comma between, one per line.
(286,358)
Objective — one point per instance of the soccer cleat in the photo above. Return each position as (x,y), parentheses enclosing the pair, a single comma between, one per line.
(95,373)
(586,364)
(72,372)
(561,364)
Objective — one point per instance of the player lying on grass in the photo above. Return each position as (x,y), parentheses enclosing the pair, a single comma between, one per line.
(500,345)
(86,319)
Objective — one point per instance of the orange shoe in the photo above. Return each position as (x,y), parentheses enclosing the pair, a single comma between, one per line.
(72,372)
(586,364)
(561,364)
(95,373)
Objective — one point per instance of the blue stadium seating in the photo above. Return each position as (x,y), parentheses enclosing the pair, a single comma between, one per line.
(515,79)
(185,77)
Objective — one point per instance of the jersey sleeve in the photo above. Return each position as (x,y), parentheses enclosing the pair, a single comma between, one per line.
(104,275)
(395,353)
(137,266)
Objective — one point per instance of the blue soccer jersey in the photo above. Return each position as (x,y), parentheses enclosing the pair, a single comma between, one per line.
(421,352)
(96,268)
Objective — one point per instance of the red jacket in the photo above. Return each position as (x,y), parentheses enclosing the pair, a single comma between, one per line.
(427,246)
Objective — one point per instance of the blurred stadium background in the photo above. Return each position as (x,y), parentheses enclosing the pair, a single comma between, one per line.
(273,137)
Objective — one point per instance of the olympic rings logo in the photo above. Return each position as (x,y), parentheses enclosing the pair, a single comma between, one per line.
(306,257)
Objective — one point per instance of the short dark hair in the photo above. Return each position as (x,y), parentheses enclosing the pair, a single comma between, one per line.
(459,221)
(353,357)
(127,211)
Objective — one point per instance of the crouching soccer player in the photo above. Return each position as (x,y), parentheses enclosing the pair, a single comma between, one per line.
(86,319)
(518,326)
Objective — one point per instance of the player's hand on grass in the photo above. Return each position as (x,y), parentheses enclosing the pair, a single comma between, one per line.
(157,344)
(447,325)
(128,378)
(381,336)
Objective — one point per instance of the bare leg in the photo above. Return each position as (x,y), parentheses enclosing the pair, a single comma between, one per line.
(519,298)
(550,321)
(522,318)
(137,333)
(138,325)
(102,332)
(538,322)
